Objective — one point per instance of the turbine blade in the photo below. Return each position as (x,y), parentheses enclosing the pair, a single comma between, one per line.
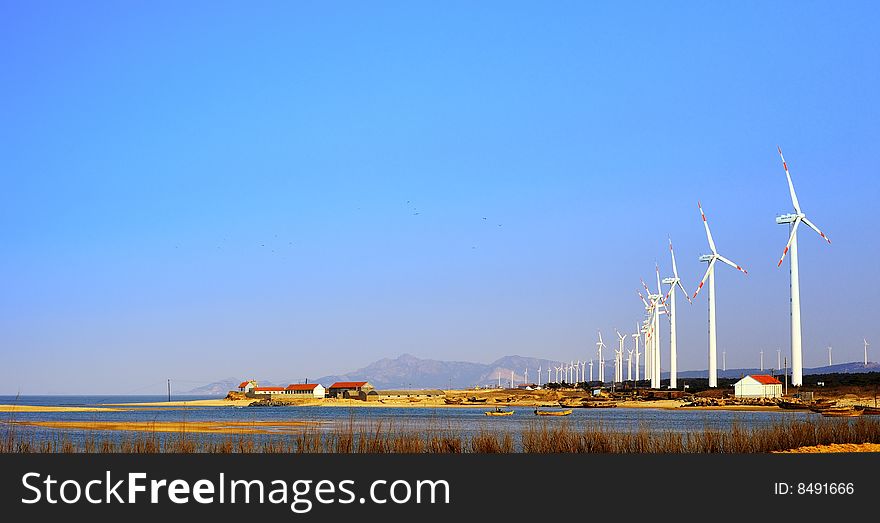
(735,266)
(794,199)
(657,269)
(708,269)
(643,300)
(708,233)
(811,225)
(794,227)
(674,269)
(686,295)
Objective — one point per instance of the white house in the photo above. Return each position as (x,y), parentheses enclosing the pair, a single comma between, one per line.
(758,386)
(247,386)
(315,390)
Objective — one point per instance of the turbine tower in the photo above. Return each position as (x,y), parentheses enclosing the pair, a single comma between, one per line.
(673,282)
(829,355)
(710,273)
(539,376)
(797,366)
(762,360)
(591,369)
(866,351)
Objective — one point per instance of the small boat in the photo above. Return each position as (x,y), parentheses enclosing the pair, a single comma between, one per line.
(450,401)
(873,411)
(498,412)
(552,412)
(475,399)
(598,404)
(841,412)
(784,404)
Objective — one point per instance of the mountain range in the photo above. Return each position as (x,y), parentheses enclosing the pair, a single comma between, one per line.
(408,371)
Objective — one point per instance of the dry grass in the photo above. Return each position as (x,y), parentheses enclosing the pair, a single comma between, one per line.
(384,437)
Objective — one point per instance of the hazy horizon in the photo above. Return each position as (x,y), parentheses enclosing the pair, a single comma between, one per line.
(214,189)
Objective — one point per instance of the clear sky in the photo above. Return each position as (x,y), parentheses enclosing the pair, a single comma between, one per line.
(198,190)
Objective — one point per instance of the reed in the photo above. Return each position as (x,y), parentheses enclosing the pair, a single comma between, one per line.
(379,437)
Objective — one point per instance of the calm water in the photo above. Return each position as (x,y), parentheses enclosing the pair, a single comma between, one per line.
(464,421)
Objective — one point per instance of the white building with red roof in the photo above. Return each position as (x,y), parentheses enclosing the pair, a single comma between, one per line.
(247,386)
(315,390)
(758,386)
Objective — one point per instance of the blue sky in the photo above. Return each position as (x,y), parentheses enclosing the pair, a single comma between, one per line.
(290,189)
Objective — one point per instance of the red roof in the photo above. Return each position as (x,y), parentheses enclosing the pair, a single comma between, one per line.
(267,389)
(765,379)
(348,384)
(243,384)
(302,386)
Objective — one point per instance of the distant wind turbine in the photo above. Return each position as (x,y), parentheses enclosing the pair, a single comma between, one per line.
(673,282)
(710,273)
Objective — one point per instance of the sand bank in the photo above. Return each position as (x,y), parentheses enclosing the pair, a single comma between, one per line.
(208,427)
(44,408)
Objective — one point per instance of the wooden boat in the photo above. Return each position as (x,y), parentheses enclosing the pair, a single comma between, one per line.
(784,404)
(873,411)
(598,404)
(552,412)
(450,401)
(475,399)
(498,412)
(841,412)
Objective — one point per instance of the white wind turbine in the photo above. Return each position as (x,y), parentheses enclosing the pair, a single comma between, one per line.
(548,374)
(583,368)
(866,351)
(636,337)
(710,273)
(620,348)
(526,377)
(539,376)
(653,330)
(829,355)
(647,332)
(601,345)
(629,357)
(673,282)
(794,220)
(591,369)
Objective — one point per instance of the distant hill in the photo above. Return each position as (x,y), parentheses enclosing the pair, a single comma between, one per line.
(408,371)
(221,387)
(842,368)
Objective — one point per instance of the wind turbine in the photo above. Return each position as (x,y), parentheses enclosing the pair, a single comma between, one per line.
(583,368)
(539,376)
(591,369)
(629,358)
(526,377)
(866,351)
(548,374)
(829,355)
(620,348)
(710,273)
(601,345)
(636,337)
(778,359)
(673,282)
(649,342)
(654,313)
(762,360)
(794,220)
